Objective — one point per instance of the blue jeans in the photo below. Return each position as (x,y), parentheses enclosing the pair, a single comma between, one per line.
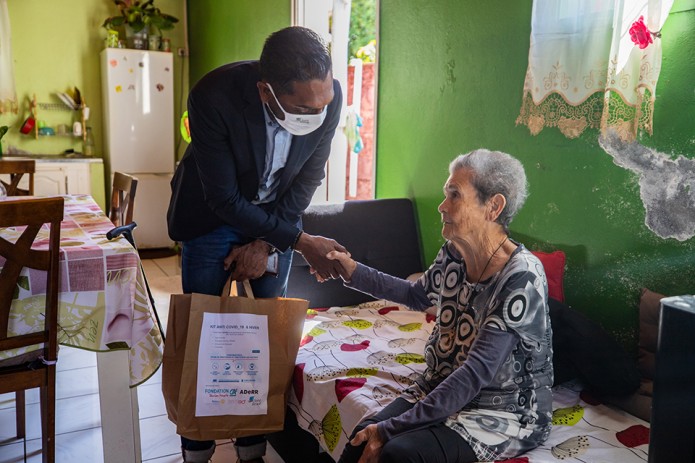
(202,271)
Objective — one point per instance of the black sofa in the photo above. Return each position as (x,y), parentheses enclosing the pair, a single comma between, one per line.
(381,233)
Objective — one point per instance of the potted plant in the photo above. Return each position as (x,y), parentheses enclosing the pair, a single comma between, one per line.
(140,17)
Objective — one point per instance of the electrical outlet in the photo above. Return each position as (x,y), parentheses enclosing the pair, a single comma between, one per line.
(182,52)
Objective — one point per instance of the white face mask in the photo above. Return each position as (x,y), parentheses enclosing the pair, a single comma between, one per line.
(299,124)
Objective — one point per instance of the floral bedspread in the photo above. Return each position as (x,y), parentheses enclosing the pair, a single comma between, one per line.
(355,360)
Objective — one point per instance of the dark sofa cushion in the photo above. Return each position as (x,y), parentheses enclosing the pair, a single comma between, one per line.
(649,305)
(640,403)
(583,350)
(381,233)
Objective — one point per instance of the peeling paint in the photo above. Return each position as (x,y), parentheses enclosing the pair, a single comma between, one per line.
(449,75)
(618,201)
(667,186)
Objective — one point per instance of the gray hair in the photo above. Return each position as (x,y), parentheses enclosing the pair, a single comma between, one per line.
(495,172)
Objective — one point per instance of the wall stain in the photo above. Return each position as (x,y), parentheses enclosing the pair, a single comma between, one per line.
(450,75)
(667,186)
(617,201)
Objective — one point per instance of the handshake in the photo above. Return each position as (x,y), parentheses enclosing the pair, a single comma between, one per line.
(327,259)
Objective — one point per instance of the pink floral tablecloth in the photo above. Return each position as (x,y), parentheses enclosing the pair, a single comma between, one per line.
(103,299)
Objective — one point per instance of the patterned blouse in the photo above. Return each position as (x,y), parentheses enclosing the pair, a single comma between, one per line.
(510,413)
(513,413)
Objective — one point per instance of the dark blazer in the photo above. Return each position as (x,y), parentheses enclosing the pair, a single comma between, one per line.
(219,174)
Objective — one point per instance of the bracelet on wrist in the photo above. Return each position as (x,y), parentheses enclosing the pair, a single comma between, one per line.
(296,239)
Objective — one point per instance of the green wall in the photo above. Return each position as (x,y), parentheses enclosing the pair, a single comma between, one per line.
(56,46)
(223,31)
(451,75)
(450,80)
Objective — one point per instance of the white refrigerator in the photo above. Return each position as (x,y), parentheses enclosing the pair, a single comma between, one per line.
(138,99)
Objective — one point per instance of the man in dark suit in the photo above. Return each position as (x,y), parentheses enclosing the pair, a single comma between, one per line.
(261,134)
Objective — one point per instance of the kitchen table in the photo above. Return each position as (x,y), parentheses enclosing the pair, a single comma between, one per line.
(104,307)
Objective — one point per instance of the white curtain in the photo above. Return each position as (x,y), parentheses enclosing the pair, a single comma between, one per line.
(8,94)
(584,70)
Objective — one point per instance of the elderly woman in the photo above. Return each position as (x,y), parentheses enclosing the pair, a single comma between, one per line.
(485,394)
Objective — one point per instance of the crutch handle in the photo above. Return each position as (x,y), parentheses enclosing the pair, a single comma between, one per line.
(125,230)
(118,231)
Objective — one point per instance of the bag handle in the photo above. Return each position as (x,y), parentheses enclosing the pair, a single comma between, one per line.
(243,288)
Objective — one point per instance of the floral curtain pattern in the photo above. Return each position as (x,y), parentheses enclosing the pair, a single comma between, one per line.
(593,64)
(8,94)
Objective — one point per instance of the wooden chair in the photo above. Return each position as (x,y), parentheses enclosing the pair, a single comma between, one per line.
(36,369)
(122,198)
(16,168)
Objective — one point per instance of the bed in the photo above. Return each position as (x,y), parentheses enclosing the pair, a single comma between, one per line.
(355,360)
(357,354)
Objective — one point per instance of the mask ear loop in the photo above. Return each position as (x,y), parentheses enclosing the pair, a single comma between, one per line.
(272,92)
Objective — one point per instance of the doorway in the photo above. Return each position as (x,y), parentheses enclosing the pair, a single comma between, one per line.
(350,28)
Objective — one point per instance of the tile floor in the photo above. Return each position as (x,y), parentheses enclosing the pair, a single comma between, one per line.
(78,425)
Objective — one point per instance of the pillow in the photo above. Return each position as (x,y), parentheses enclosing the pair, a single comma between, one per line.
(554,266)
(583,350)
(649,305)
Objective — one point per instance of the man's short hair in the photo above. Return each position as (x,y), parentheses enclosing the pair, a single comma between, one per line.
(293,54)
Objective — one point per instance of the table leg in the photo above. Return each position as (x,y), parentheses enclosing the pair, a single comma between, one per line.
(120,426)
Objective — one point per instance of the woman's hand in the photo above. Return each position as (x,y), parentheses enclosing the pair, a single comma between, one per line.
(371,452)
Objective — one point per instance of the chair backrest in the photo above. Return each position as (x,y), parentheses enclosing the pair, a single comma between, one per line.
(16,168)
(122,198)
(14,256)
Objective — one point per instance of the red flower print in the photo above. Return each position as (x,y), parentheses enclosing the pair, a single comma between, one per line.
(298,381)
(385,310)
(354,347)
(640,35)
(634,436)
(345,386)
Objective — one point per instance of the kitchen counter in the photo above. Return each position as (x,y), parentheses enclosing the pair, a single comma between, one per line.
(60,174)
(53,157)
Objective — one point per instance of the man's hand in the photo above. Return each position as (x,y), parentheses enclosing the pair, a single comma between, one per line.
(347,265)
(371,436)
(315,248)
(248,261)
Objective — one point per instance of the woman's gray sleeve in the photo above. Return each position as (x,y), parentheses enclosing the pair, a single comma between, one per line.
(383,286)
(488,352)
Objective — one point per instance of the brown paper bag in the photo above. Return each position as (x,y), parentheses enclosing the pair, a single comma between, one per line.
(180,363)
